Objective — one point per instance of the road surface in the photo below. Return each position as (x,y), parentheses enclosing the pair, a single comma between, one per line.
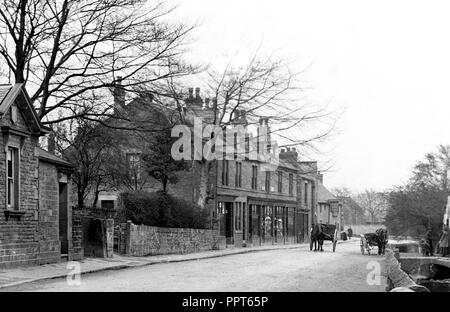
(290,270)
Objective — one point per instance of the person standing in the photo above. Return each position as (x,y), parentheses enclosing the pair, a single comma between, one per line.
(443,242)
(349,233)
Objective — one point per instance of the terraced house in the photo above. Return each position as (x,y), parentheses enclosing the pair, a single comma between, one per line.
(248,205)
(36,215)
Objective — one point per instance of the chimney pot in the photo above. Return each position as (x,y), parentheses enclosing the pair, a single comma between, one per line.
(118,93)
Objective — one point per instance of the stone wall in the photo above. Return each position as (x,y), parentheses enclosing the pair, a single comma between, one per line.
(19,239)
(142,240)
(49,244)
(77,235)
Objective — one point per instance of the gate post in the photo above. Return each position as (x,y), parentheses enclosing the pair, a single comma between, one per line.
(128,238)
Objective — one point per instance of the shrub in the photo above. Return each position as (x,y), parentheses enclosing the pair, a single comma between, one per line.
(161,209)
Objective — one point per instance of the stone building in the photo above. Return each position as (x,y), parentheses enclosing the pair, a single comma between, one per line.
(248,205)
(36,217)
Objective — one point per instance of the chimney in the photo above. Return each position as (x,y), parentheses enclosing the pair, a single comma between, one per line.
(290,155)
(119,94)
(320,177)
(197,93)
(191,93)
(207,103)
(51,144)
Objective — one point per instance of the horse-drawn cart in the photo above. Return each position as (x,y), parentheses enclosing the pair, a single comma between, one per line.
(322,233)
(367,244)
(371,240)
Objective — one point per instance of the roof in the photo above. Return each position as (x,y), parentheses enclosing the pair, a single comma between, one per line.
(17,94)
(51,158)
(4,89)
(323,194)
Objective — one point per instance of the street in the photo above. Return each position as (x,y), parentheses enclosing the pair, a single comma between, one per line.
(290,270)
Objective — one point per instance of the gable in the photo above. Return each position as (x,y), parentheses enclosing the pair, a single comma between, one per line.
(16,96)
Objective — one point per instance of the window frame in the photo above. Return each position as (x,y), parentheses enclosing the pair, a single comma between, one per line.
(13,179)
(280,181)
(254,177)
(291,184)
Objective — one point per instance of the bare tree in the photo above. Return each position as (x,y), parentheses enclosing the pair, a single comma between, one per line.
(70,53)
(374,203)
(84,144)
(264,87)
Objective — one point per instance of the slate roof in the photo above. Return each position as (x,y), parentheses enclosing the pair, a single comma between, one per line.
(323,194)
(51,158)
(17,93)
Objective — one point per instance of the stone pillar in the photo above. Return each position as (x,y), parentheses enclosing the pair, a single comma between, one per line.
(128,238)
(109,237)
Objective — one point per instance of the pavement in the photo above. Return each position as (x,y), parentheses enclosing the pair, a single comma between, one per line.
(22,275)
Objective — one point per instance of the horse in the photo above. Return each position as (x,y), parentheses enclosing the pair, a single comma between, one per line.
(379,238)
(317,237)
(382,240)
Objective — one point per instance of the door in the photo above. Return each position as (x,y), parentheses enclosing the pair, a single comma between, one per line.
(63,218)
(229,223)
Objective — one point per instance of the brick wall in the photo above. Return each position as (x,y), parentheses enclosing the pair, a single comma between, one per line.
(142,240)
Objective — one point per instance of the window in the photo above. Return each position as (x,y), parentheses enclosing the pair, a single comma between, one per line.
(254,177)
(133,161)
(12,179)
(238,176)
(238,217)
(291,183)
(267,181)
(280,182)
(306,193)
(107,204)
(224,172)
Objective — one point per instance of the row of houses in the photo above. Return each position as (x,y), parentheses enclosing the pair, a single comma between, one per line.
(248,206)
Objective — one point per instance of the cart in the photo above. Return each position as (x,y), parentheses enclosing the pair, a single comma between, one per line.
(330,233)
(368,242)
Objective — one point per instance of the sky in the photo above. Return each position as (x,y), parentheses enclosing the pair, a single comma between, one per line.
(384,64)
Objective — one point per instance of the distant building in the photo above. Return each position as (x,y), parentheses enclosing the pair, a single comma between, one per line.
(329,207)
(249,206)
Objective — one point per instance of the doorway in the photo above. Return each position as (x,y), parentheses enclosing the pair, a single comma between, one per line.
(63,219)
(229,223)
